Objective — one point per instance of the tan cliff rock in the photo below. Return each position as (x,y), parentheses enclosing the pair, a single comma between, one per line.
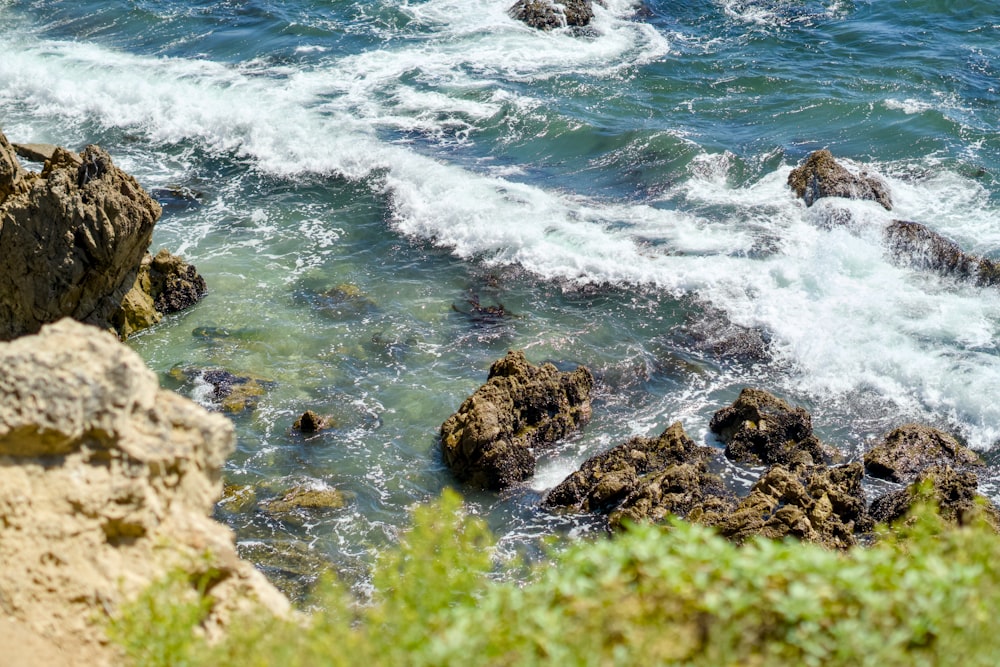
(107,482)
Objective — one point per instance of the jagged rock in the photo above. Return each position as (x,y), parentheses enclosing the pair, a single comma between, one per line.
(489,441)
(165,284)
(311,422)
(548,15)
(36,152)
(759,428)
(913,244)
(812,503)
(607,479)
(954,492)
(686,490)
(911,448)
(71,239)
(107,483)
(822,176)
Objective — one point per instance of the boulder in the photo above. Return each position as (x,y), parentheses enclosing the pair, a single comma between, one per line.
(489,442)
(548,15)
(911,448)
(822,176)
(36,152)
(71,239)
(818,504)
(107,482)
(312,422)
(762,429)
(165,284)
(913,244)
(642,479)
(953,491)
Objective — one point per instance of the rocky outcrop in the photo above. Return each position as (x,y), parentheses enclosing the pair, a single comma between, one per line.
(489,442)
(953,491)
(71,239)
(165,284)
(604,481)
(548,15)
(911,448)
(106,484)
(812,503)
(913,244)
(822,176)
(762,429)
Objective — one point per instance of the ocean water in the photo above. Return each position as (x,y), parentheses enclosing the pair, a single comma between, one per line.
(351,177)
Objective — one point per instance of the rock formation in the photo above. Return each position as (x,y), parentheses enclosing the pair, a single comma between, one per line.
(913,244)
(822,176)
(954,492)
(911,448)
(644,479)
(548,15)
(106,484)
(813,503)
(759,428)
(73,243)
(489,442)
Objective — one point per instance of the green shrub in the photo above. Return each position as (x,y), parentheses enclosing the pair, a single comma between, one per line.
(654,595)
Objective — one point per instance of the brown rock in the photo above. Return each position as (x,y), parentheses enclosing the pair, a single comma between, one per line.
(907,450)
(759,428)
(107,483)
(311,422)
(489,441)
(12,176)
(72,242)
(548,15)
(913,244)
(36,152)
(822,176)
(306,497)
(811,503)
(953,491)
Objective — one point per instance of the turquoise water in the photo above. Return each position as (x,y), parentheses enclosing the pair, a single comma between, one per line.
(351,176)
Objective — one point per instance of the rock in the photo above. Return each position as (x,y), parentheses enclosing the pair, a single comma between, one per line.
(954,492)
(238,498)
(812,503)
(913,244)
(607,479)
(761,429)
(306,497)
(107,483)
(71,239)
(709,329)
(345,300)
(489,441)
(231,392)
(311,422)
(822,176)
(686,490)
(548,15)
(909,449)
(165,284)
(36,152)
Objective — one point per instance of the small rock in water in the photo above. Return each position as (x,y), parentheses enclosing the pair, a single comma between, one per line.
(822,176)
(311,422)
(548,15)
(306,497)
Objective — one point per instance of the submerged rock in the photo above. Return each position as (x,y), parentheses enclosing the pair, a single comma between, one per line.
(812,503)
(911,448)
(71,239)
(107,483)
(915,245)
(306,497)
(762,429)
(489,441)
(822,176)
(233,393)
(955,493)
(549,15)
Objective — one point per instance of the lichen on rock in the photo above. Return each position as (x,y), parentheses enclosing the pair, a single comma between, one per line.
(489,442)
(107,483)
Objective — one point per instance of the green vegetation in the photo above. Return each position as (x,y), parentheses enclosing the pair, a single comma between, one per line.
(653,595)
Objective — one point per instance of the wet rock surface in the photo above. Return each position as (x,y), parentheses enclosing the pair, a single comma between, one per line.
(230,392)
(762,429)
(489,441)
(548,15)
(916,245)
(822,176)
(955,492)
(312,422)
(165,284)
(909,449)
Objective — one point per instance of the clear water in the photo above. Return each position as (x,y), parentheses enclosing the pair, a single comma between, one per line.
(613,190)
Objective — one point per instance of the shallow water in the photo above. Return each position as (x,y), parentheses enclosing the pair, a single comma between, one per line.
(621,192)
